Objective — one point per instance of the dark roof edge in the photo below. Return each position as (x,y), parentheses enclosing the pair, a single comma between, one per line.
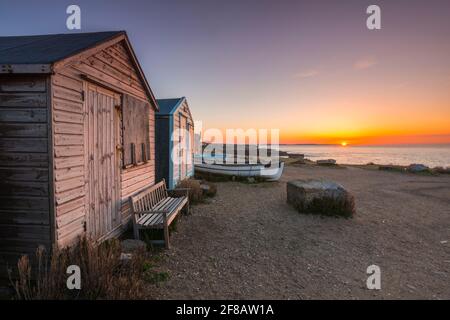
(30,68)
(175,107)
(48,68)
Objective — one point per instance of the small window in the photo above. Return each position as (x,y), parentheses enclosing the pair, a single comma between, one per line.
(135,126)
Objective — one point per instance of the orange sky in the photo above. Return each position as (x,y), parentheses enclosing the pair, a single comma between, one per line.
(337,81)
(373,105)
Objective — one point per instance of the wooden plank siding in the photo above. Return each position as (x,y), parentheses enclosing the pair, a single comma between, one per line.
(68,156)
(183,110)
(186,113)
(25,221)
(176,146)
(113,68)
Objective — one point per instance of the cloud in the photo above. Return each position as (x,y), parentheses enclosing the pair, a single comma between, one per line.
(365,63)
(306,74)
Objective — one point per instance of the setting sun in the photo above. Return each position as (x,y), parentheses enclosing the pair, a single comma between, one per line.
(344,144)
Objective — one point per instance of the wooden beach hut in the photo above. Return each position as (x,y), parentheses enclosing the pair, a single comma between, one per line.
(174,141)
(77,120)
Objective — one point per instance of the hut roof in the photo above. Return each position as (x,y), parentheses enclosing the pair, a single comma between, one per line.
(49,48)
(38,54)
(168,106)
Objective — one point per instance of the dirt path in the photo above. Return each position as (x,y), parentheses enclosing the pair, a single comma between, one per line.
(249,244)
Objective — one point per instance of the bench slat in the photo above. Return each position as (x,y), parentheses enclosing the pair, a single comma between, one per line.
(158,206)
(142,202)
(157,219)
(174,205)
(146,203)
(139,206)
(147,219)
(163,205)
(160,193)
(155,196)
(151,201)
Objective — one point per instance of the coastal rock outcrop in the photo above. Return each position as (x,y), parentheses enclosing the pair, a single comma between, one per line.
(320,197)
(417,168)
(326,162)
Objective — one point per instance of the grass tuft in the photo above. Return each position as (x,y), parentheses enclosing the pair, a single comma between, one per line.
(103,274)
(195,191)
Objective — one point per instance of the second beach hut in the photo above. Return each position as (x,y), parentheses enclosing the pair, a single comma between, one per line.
(174,141)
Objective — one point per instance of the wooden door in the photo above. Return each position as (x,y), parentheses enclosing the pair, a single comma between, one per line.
(102,161)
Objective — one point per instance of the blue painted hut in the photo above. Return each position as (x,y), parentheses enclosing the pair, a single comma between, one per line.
(174,141)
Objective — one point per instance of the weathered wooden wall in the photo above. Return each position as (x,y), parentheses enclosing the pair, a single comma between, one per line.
(190,166)
(185,114)
(25,221)
(113,67)
(68,145)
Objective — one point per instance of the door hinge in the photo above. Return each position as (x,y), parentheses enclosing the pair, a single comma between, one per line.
(84,226)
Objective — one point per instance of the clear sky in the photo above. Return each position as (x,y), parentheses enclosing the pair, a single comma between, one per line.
(310,68)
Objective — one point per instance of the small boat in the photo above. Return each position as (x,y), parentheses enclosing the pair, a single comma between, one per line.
(266,172)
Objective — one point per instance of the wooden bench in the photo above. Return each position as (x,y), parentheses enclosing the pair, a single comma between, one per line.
(156,208)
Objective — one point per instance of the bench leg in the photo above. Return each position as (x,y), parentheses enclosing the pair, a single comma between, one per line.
(136,232)
(166,236)
(185,209)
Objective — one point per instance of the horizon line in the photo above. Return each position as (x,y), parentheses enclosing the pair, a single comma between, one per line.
(338,144)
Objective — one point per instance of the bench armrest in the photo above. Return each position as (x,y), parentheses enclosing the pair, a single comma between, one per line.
(178,192)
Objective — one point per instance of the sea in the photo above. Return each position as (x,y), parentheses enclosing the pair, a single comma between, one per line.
(429,155)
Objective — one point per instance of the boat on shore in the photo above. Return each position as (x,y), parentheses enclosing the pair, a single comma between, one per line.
(267,172)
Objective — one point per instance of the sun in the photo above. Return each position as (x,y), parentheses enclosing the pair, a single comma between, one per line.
(344,143)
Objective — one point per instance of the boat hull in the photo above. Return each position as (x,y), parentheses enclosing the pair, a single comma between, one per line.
(254,170)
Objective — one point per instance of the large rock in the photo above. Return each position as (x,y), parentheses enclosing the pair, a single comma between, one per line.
(320,197)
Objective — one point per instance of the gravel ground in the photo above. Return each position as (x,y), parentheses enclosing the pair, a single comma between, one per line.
(249,244)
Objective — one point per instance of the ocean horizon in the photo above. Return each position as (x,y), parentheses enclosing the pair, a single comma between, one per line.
(432,155)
